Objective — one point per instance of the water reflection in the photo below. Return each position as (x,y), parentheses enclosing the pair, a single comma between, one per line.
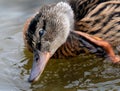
(74,74)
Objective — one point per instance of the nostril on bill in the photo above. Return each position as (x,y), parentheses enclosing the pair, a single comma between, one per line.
(36,57)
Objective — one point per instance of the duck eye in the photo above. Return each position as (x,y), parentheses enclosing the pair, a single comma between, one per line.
(41,32)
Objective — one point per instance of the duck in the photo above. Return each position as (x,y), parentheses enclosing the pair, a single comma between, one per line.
(67,29)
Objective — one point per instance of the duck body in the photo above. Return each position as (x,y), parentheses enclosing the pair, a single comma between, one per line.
(103,21)
(95,22)
(68,29)
(77,44)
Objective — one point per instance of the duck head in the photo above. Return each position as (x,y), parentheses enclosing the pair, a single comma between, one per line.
(45,33)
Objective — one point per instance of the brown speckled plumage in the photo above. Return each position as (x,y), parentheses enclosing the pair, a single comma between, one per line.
(76,45)
(69,28)
(103,21)
(98,22)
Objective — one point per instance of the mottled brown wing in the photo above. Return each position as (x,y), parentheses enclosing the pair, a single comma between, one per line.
(103,22)
(82,7)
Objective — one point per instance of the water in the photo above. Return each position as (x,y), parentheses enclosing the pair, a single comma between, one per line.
(81,73)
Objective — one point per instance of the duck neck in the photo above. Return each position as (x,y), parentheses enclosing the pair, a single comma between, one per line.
(76,45)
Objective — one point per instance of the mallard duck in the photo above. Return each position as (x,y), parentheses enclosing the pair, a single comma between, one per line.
(69,28)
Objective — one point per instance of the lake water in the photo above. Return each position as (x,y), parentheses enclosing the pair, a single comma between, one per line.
(82,73)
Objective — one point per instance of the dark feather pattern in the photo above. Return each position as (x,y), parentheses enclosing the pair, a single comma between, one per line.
(76,45)
(31,30)
(82,7)
(101,20)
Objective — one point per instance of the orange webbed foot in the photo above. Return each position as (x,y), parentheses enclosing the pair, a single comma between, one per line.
(116,59)
(102,43)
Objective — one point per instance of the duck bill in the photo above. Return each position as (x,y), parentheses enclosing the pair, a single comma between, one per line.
(39,63)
